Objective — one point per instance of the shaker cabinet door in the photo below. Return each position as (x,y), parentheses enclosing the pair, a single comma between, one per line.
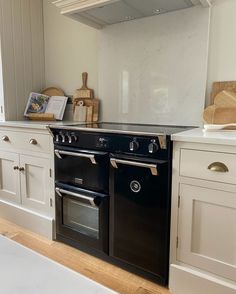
(35,183)
(207,230)
(9,177)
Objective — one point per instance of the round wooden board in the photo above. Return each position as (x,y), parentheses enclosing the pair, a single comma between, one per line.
(53,91)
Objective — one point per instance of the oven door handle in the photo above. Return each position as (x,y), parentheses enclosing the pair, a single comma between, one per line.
(152,167)
(90,199)
(77,154)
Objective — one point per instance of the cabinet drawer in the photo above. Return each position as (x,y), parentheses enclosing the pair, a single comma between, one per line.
(207,165)
(21,140)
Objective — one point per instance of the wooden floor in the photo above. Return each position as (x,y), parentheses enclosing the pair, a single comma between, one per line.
(104,273)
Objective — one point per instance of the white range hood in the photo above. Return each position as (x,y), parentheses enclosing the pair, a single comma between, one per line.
(100,13)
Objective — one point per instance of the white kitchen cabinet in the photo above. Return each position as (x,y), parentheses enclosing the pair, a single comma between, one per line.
(9,177)
(26,178)
(203,217)
(207,239)
(21,55)
(34,178)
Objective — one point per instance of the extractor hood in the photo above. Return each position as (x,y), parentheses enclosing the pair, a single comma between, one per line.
(100,13)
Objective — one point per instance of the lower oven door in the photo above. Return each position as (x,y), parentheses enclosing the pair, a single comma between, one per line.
(140,213)
(82,216)
(82,168)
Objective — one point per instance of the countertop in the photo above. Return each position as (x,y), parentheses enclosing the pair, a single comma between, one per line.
(34,124)
(195,135)
(137,129)
(198,135)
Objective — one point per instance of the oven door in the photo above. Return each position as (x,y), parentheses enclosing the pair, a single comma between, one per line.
(84,169)
(82,216)
(140,213)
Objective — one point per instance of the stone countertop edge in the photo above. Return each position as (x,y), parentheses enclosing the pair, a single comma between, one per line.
(35,124)
(198,135)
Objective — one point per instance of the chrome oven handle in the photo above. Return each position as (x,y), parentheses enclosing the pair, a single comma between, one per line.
(90,199)
(77,154)
(152,167)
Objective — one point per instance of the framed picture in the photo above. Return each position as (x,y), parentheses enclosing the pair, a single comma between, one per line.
(37,103)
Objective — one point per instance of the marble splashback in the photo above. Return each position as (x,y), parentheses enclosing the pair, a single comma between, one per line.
(154,70)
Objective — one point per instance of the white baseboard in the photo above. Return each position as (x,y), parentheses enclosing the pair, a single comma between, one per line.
(27,219)
(184,280)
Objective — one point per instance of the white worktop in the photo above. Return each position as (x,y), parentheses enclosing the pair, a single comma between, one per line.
(198,135)
(35,124)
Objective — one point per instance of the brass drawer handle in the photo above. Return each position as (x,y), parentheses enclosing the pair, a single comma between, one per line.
(5,138)
(33,142)
(21,169)
(16,167)
(218,167)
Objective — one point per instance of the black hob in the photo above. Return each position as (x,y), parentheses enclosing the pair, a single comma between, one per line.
(136,139)
(144,129)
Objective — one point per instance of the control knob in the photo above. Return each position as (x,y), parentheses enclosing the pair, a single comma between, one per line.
(153,147)
(63,137)
(103,142)
(69,137)
(134,145)
(74,137)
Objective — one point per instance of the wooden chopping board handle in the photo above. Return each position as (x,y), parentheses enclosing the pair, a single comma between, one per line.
(85,80)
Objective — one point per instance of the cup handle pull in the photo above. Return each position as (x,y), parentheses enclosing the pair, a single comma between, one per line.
(218,167)
(5,138)
(33,142)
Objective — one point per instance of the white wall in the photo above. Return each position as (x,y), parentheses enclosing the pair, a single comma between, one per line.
(1,86)
(22,53)
(222,53)
(70,49)
(147,73)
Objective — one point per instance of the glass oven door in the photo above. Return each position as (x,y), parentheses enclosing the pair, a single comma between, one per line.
(82,216)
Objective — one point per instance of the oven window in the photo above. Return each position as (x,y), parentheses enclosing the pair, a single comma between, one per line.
(81,217)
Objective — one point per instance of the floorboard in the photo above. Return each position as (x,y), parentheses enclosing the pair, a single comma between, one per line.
(100,271)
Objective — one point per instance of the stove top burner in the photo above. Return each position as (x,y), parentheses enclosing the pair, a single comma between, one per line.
(131,128)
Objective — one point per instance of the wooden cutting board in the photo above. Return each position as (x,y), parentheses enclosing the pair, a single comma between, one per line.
(53,91)
(92,108)
(80,112)
(208,114)
(221,86)
(219,115)
(84,91)
(225,99)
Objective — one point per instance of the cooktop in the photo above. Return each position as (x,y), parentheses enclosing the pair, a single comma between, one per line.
(129,128)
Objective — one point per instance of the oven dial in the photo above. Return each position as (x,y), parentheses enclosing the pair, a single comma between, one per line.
(57,138)
(134,145)
(153,147)
(74,137)
(103,142)
(69,138)
(63,137)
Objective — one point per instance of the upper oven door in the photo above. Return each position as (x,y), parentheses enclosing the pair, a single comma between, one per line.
(85,169)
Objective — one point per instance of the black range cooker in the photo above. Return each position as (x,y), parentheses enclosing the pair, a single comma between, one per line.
(113,191)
